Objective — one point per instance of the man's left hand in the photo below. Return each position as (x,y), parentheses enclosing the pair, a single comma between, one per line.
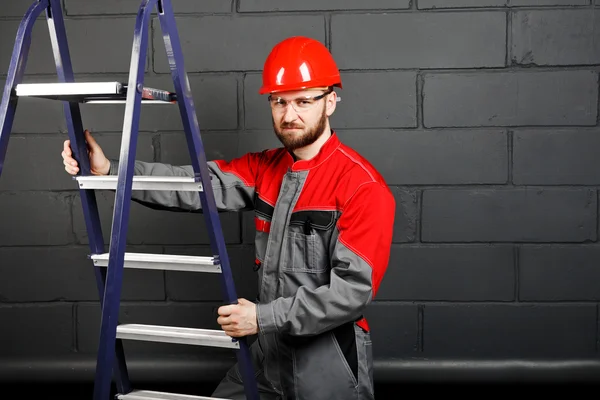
(238,320)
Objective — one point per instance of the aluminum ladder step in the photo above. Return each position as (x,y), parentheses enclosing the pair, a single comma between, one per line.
(151,395)
(172,334)
(141,182)
(92,92)
(166,262)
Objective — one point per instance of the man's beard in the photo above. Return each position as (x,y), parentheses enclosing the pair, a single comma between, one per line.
(295,140)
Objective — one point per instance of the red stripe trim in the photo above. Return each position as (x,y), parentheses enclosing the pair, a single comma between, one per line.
(261,225)
(363,324)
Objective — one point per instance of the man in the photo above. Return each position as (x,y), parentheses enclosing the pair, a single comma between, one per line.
(324,221)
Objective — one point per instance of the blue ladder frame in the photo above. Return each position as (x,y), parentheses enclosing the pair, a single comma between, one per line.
(109,281)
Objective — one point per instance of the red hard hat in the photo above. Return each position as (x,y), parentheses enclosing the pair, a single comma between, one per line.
(299,63)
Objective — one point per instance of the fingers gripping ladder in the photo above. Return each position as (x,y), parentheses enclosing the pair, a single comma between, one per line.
(109,266)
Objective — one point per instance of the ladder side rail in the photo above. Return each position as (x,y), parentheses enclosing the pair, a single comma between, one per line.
(198,159)
(16,70)
(194,142)
(64,69)
(120,222)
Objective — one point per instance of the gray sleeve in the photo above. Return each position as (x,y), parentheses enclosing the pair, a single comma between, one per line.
(231,192)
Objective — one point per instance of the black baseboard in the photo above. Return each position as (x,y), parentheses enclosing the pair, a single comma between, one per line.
(184,370)
(383,391)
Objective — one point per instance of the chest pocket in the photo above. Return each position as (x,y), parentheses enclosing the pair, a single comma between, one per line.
(307,241)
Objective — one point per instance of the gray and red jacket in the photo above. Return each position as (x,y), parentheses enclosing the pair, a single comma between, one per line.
(323,235)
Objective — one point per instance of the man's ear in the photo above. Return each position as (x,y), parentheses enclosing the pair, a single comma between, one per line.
(331,103)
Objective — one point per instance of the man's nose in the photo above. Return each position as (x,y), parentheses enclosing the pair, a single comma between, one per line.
(289,113)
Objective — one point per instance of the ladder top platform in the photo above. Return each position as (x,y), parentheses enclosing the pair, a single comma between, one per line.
(92,92)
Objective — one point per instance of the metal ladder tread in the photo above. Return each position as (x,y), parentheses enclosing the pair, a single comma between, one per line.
(141,182)
(167,262)
(151,395)
(171,334)
(91,92)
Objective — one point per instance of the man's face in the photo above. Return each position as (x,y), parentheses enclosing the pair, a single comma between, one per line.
(299,117)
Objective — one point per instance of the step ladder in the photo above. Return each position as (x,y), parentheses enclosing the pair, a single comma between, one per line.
(109,266)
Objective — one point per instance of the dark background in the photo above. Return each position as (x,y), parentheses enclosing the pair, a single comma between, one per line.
(481,114)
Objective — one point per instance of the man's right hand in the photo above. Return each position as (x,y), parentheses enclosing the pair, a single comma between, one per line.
(99,164)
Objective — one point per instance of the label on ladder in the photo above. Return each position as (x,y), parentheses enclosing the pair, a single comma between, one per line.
(158,94)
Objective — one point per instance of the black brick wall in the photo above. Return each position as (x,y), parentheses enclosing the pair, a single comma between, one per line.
(481,114)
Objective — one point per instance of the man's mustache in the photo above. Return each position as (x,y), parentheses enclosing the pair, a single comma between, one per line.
(289,126)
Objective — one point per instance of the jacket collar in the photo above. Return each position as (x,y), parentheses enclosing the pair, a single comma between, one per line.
(326,150)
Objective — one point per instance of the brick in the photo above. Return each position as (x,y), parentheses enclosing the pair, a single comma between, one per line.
(40,58)
(426,4)
(510,99)
(561,37)
(185,286)
(557,157)
(152,227)
(244,43)
(111,40)
(377,100)
(65,273)
(17,9)
(35,218)
(559,273)
(217,145)
(36,330)
(30,166)
(518,3)
(198,315)
(394,329)
(507,215)
(358,107)
(413,40)
(454,156)
(127,7)
(449,273)
(406,216)
(318,5)
(516,330)
(46,274)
